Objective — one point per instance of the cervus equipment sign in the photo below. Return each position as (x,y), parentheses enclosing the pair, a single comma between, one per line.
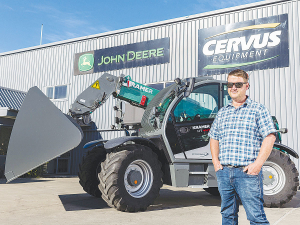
(252,45)
(121,57)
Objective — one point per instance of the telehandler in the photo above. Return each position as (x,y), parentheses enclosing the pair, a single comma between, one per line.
(171,147)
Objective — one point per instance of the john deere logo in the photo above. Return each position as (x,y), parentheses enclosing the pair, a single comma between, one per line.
(86,62)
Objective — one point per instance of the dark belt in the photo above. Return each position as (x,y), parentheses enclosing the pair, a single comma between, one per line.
(230,166)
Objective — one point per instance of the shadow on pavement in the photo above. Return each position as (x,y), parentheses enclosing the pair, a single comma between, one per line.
(23,180)
(168,199)
(75,202)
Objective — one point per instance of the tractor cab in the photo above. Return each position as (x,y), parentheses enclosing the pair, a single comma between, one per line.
(185,120)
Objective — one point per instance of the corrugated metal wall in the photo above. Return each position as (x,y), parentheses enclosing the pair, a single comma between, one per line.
(53,65)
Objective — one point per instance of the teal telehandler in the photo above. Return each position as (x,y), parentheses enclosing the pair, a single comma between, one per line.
(171,146)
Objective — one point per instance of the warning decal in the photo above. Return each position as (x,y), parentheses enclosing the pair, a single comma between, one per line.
(96,85)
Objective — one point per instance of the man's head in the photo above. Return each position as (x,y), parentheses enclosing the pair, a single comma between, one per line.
(238,85)
(239,73)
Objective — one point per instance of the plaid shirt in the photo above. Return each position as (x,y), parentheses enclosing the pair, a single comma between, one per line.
(240,132)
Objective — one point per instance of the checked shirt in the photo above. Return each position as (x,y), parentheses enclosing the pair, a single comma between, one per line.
(240,132)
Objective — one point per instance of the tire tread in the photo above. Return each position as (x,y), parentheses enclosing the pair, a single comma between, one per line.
(277,201)
(87,171)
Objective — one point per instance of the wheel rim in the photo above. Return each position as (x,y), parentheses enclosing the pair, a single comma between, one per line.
(274,178)
(138,178)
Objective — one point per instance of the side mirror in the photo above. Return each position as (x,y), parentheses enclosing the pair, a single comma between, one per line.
(177,81)
(190,82)
(283,130)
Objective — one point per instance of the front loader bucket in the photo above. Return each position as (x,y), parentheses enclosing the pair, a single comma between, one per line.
(40,133)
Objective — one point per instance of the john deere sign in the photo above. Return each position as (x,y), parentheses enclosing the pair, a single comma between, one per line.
(125,56)
(251,45)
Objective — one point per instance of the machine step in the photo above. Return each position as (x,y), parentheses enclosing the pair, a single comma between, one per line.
(198,186)
(198,173)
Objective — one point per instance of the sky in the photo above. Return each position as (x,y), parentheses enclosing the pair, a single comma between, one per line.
(21,20)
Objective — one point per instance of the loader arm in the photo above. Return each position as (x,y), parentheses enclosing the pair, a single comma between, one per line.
(42,132)
(97,93)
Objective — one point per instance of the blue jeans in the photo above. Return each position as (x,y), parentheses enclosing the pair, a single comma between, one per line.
(236,186)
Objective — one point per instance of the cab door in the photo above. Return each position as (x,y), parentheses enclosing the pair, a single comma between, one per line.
(190,121)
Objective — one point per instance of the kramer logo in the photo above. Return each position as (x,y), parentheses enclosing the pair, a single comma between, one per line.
(86,62)
(261,44)
(139,87)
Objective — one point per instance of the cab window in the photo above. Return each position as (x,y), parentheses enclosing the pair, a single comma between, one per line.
(201,104)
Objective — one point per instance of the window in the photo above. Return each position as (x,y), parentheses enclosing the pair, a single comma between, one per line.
(161,85)
(193,117)
(201,104)
(226,97)
(57,92)
(63,164)
(5,132)
(158,86)
(169,83)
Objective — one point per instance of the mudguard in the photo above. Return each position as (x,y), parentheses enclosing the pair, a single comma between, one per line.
(121,140)
(286,149)
(94,143)
(40,133)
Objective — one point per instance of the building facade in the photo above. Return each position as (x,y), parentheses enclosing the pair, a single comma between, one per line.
(261,38)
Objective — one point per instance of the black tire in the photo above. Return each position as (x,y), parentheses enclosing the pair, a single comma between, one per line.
(131,162)
(213,191)
(281,180)
(89,168)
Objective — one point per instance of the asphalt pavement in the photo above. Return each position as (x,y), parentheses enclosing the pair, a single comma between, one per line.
(63,201)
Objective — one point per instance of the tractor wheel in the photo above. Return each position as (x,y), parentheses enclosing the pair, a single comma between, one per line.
(213,191)
(131,178)
(280,179)
(89,169)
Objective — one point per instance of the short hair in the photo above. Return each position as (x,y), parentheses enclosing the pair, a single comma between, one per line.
(239,73)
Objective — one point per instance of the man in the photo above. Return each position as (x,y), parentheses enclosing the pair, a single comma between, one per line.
(241,141)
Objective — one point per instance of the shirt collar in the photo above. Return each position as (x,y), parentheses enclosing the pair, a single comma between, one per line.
(247,102)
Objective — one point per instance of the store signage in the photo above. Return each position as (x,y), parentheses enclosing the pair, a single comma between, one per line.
(121,57)
(252,45)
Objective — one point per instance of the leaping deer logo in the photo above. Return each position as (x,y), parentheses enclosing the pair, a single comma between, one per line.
(85,63)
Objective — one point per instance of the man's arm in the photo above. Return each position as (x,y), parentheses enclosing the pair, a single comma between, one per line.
(265,151)
(214,148)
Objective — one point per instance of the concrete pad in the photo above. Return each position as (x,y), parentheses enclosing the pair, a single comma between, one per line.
(62,201)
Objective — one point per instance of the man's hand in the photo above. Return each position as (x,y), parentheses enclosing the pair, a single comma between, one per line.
(265,150)
(253,168)
(214,148)
(217,165)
